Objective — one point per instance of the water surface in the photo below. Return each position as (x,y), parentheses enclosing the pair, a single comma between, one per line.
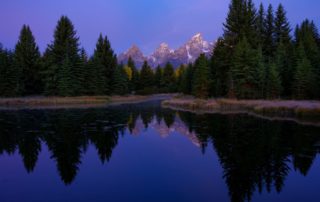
(141,152)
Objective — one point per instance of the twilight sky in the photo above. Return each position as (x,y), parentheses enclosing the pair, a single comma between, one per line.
(145,23)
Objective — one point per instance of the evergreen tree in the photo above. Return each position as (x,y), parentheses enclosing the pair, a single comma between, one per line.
(283,62)
(282,27)
(260,24)
(304,78)
(134,83)
(179,77)
(244,71)
(187,80)
(233,27)
(168,81)
(64,51)
(146,79)
(273,82)
(158,79)
(105,62)
(121,81)
(307,36)
(27,63)
(268,45)
(8,75)
(220,68)
(65,82)
(261,74)
(201,81)
(86,74)
(250,25)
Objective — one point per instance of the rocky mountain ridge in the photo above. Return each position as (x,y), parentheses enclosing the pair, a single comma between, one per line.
(185,54)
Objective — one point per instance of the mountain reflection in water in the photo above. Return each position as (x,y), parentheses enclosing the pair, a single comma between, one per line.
(256,155)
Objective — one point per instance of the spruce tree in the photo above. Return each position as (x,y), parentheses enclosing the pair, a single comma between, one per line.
(105,62)
(187,80)
(268,45)
(261,74)
(220,68)
(244,71)
(120,81)
(201,81)
(305,81)
(63,51)
(168,81)
(260,25)
(282,27)
(27,63)
(179,77)
(233,27)
(284,64)
(158,79)
(307,36)
(65,82)
(273,82)
(250,24)
(8,75)
(134,83)
(86,74)
(146,79)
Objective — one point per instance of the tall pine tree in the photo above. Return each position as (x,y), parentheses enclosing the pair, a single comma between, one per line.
(63,51)
(146,79)
(27,63)
(168,81)
(201,81)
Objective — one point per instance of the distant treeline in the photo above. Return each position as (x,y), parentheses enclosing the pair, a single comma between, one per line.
(257,57)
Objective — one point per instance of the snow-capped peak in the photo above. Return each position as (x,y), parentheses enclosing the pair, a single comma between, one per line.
(197,37)
(183,55)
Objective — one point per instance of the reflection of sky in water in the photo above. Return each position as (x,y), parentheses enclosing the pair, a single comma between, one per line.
(158,163)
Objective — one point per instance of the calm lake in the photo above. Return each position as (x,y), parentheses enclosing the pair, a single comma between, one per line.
(142,152)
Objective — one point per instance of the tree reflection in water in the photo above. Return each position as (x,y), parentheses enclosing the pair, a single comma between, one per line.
(255,154)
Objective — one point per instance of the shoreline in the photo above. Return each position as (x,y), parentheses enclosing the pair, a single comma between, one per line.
(74,102)
(302,112)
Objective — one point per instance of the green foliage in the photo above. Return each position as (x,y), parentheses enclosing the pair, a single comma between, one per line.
(158,79)
(244,72)
(8,75)
(261,74)
(120,81)
(105,62)
(283,61)
(220,68)
(255,58)
(168,81)
(282,27)
(27,63)
(273,82)
(146,79)
(304,78)
(268,41)
(134,82)
(187,80)
(63,51)
(201,80)
(65,81)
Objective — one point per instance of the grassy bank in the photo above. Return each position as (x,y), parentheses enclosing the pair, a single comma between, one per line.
(65,102)
(306,111)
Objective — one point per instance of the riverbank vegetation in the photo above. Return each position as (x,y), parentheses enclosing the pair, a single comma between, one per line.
(258,57)
(70,102)
(289,109)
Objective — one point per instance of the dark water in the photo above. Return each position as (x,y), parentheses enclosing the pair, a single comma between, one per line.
(141,152)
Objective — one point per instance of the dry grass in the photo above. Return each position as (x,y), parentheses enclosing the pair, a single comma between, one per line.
(271,108)
(83,101)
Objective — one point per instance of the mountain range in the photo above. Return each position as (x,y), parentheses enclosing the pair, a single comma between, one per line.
(185,54)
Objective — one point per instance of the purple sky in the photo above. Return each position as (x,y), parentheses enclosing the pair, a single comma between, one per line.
(145,23)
